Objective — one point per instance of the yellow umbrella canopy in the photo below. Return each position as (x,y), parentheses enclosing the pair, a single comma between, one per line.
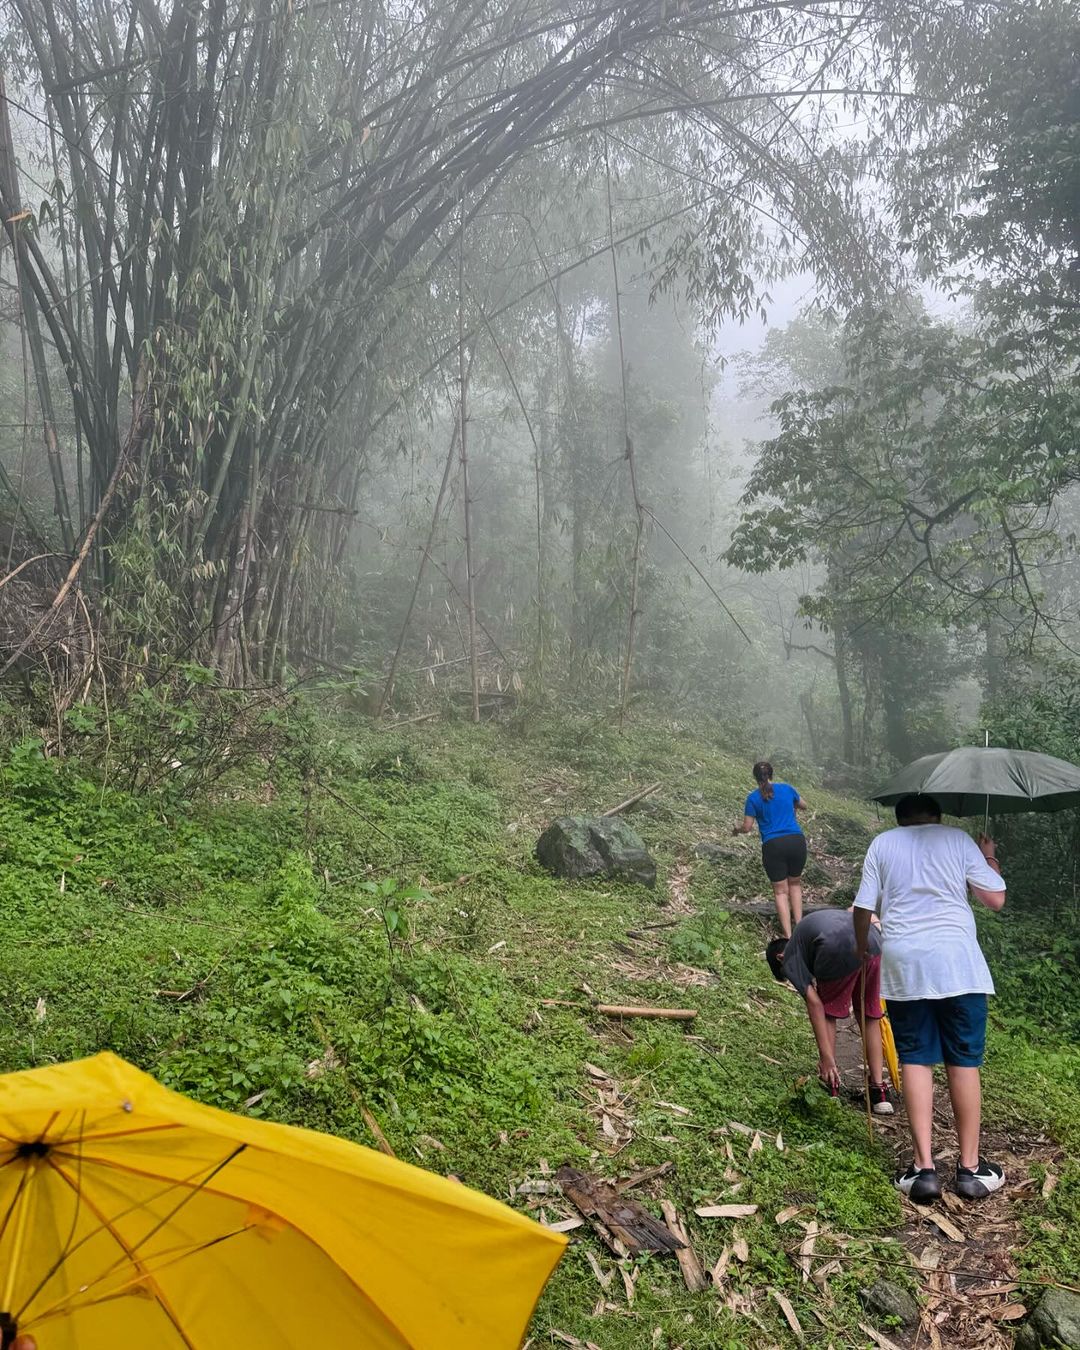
(132,1218)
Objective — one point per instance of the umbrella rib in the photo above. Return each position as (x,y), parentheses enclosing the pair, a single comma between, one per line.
(154,1288)
(14,1202)
(66,1142)
(123,1214)
(65,1306)
(371,1303)
(192,1192)
(68,1249)
(48,1126)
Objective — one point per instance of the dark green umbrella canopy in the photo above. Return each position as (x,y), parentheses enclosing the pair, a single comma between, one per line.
(1013,780)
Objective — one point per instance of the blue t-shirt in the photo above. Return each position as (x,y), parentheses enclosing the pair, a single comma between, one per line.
(775,816)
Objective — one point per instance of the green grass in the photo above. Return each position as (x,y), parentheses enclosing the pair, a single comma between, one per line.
(362,925)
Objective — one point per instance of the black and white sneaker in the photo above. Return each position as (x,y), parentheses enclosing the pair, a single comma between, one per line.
(976,1183)
(919,1184)
(880,1103)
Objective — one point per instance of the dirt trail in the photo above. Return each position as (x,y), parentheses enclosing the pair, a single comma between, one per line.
(963,1253)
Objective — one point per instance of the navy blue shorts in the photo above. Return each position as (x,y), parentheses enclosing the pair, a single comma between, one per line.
(936,1030)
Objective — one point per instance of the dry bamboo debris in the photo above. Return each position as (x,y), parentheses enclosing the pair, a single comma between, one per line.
(612,1109)
(622,1224)
(789,1314)
(624,1010)
(646,1175)
(631,801)
(693,1272)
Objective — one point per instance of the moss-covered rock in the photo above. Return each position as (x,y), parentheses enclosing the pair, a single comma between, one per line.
(595,846)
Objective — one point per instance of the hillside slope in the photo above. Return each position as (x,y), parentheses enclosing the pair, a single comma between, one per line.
(355,936)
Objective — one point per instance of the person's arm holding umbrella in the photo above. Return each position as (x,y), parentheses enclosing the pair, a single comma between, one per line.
(991,899)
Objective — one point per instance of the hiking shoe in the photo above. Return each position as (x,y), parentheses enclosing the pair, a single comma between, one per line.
(919,1184)
(976,1183)
(879,1100)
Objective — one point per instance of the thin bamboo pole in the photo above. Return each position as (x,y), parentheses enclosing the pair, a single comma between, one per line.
(463,451)
(628,450)
(425,553)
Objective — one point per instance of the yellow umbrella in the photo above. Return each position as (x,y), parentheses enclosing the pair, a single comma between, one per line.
(134,1219)
(888,1046)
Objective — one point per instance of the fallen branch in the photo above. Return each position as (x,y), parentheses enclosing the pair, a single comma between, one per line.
(672,1014)
(95,524)
(631,801)
(693,1272)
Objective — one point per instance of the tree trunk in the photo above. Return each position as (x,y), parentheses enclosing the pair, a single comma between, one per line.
(11,205)
(843,690)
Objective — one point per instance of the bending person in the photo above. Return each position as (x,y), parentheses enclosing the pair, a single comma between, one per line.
(822,962)
(772,806)
(934,978)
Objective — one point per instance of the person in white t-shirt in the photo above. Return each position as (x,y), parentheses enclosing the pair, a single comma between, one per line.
(934,978)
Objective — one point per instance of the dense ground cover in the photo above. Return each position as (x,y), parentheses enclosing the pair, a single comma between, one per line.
(352,928)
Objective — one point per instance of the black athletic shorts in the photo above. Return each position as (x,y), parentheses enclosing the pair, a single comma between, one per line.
(784,857)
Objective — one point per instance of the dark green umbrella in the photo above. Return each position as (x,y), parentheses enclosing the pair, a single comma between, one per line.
(976,780)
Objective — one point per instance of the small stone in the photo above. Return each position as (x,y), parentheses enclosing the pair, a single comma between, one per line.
(1054,1325)
(715,853)
(887,1300)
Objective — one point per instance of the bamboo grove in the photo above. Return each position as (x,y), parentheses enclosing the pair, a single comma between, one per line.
(248,236)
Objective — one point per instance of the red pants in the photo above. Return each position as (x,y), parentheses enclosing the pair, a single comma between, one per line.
(838,995)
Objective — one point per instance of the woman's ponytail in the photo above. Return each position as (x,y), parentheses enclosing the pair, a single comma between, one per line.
(762,772)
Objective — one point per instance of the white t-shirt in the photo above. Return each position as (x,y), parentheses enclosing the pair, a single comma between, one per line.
(917,876)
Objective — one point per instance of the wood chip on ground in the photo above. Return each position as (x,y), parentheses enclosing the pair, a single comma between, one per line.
(878,1338)
(725,1211)
(940,1221)
(693,1271)
(806,1251)
(789,1314)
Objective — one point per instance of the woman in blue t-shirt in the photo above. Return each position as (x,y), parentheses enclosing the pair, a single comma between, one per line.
(783,844)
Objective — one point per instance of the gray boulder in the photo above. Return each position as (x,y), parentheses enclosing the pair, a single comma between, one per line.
(595,846)
(886,1300)
(1055,1323)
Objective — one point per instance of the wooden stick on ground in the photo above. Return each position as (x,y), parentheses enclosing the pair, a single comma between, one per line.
(631,801)
(672,1014)
(647,1174)
(693,1272)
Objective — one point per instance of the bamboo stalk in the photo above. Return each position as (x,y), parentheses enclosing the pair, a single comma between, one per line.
(628,446)
(670,1014)
(425,553)
(463,448)
(631,801)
